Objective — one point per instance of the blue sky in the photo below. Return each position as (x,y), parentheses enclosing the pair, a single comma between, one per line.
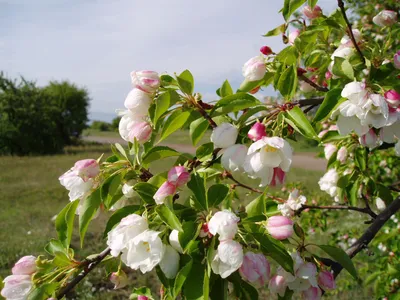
(97,43)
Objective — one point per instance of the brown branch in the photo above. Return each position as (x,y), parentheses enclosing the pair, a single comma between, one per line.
(88,265)
(310,101)
(313,84)
(370,233)
(229,175)
(342,9)
(365,210)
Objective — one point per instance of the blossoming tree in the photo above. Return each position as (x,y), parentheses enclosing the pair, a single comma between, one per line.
(208,245)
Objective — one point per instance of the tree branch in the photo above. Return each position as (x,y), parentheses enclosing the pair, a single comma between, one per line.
(313,84)
(365,210)
(310,101)
(342,9)
(229,175)
(89,265)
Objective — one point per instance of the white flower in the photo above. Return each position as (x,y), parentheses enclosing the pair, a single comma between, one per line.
(78,188)
(306,276)
(346,40)
(376,111)
(127,122)
(127,189)
(254,68)
(265,155)
(170,262)
(329,150)
(234,157)
(227,259)
(380,204)
(129,227)
(285,209)
(16,287)
(342,154)
(147,81)
(224,135)
(388,134)
(144,251)
(174,240)
(295,200)
(138,102)
(328,182)
(385,18)
(224,223)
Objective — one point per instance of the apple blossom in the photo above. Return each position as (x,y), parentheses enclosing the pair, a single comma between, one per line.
(265,50)
(234,157)
(227,259)
(174,240)
(170,262)
(265,155)
(277,285)
(127,189)
(254,68)
(328,183)
(165,190)
(385,18)
(140,131)
(255,268)
(144,251)
(346,40)
(293,36)
(16,287)
(224,135)
(342,154)
(312,293)
(370,139)
(125,231)
(326,280)
(178,176)
(138,102)
(224,223)
(396,60)
(305,277)
(392,98)
(86,168)
(278,177)
(257,131)
(25,266)
(78,188)
(119,279)
(329,150)
(312,13)
(204,231)
(147,81)
(280,227)
(376,111)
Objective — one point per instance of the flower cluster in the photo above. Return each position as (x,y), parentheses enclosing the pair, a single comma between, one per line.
(294,203)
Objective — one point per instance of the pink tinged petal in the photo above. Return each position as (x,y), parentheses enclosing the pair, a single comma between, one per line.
(312,293)
(312,13)
(392,98)
(277,285)
(326,280)
(396,60)
(293,36)
(87,168)
(165,190)
(278,177)
(141,131)
(178,176)
(257,131)
(25,266)
(16,287)
(280,227)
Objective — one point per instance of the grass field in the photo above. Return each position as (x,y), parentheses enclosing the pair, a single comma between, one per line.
(31,195)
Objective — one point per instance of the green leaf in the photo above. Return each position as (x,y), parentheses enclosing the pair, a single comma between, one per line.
(168,80)
(194,285)
(65,223)
(247,86)
(121,150)
(225,89)
(384,193)
(44,291)
(288,56)
(287,83)
(146,191)
(250,113)
(181,277)
(205,151)
(343,68)
(174,122)
(290,6)
(331,136)
(197,130)
(89,208)
(162,105)
(360,158)
(317,58)
(331,99)
(188,234)
(304,126)
(169,217)
(216,194)
(55,246)
(235,102)
(312,3)
(352,192)
(186,82)
(142,291)
(118,215)
(276,250)
(276,31)
(338,255)
(256,207)
(159,152)
(111,190)
(197,186)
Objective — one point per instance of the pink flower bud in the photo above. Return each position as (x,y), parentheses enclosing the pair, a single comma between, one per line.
(301,71)
(256,132)
(255,268)
(141,131)
(370,139)
(322,133)
(293,35)
(16,287)
(392,98)
(312,293)
(138,102)
(328,75)
(312,13)
(119,279)
(280,227)
(385,18)
(278,178)
(326,280)
(178,176)
(87,168)
(265,50)
(396,60)
(204,231)
(25,266)
(342,154)
(147,81)
(141,297)
(165,190)
(254,68)
(329,150)
(277,285)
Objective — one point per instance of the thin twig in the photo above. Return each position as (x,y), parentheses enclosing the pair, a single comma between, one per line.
(313,84)
(342,9)
(309,108)
(89,265)
(309,101)
(364,210)
(229,175)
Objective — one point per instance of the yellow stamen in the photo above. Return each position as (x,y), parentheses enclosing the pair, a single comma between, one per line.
(269,148)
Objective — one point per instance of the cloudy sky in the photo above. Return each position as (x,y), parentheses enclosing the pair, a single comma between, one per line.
(96,43)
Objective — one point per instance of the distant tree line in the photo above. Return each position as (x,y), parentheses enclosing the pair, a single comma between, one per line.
(40,120)
(105,126)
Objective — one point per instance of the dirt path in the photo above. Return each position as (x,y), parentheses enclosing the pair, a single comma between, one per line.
(305,160)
